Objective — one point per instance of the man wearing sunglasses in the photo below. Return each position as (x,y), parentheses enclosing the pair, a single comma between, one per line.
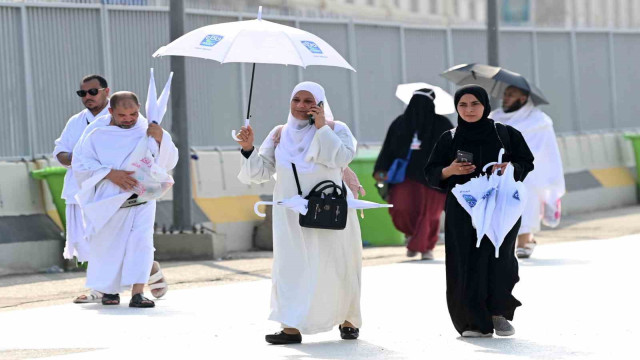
(94,94)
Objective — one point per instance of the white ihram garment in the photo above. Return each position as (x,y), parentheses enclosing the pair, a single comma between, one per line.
(76,244)
(120,239)
(545,184)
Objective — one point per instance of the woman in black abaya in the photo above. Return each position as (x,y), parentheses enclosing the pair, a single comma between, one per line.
(479,285)
(416,207)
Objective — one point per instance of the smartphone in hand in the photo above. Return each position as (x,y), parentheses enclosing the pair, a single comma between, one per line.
(463,156)
(311,119)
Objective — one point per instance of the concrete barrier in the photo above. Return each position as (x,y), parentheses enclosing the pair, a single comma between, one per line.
(598,172)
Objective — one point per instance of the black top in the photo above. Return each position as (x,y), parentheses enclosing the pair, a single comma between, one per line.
(419,117)
(481,138)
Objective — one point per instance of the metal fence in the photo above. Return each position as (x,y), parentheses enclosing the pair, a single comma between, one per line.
(45,49)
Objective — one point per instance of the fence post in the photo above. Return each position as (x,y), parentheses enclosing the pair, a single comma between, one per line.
(575,81)
(28,79)
(355,95)
(612,81)
(450,60)
(403,55)
(106,43)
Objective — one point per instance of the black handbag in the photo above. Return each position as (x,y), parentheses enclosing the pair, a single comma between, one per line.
(327,207)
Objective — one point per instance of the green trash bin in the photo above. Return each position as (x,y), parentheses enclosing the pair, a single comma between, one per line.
(54,176)
(635,141)
(376,227)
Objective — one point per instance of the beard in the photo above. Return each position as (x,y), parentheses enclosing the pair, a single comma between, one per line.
(514,107)
(122,126)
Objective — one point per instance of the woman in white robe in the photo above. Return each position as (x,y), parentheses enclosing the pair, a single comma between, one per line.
(316,273)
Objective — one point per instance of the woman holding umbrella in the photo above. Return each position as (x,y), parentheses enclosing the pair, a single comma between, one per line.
(479,285)
(316,272)
(416,207)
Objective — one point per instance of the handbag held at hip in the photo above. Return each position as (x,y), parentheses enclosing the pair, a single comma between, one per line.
(327,206)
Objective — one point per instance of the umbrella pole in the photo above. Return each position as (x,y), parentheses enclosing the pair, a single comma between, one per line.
(247,119)
(253,71)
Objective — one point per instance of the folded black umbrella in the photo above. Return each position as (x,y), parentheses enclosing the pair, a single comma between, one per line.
(493,79)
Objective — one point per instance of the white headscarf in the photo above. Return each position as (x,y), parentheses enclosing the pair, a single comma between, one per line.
(526,119)
(297,135)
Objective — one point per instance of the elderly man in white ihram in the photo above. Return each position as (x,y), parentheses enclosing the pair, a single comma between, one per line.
(118,208)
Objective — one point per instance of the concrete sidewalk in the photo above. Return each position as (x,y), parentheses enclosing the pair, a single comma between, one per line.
(19,292)
(578,303)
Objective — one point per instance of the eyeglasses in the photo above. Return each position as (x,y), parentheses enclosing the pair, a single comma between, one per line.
(92,92)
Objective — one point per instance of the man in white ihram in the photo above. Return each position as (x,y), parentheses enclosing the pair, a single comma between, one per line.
(119,226)
(545,184)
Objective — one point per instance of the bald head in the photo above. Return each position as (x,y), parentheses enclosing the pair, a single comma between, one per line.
(125,109)
(124,98)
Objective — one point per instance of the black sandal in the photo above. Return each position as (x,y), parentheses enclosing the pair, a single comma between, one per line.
(282,338)
(139,301)
(349,333)
(110,299)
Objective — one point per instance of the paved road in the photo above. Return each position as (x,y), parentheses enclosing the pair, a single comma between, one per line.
(579,302)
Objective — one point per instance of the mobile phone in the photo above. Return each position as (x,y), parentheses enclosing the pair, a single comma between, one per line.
(311,119)
(463,156)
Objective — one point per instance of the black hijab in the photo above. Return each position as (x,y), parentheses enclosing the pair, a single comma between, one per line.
(419,116)
(474,131)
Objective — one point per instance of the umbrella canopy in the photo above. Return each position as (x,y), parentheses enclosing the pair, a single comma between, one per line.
(493,79)
(443,102)
(255,41)
(300,205)
(155,108)
(510,199)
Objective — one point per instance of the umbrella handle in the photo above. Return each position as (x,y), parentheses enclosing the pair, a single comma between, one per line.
(255,207)
(484,169)
(247,122)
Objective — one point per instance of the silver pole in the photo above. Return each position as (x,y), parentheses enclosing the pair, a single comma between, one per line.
(493,40)
(179,126)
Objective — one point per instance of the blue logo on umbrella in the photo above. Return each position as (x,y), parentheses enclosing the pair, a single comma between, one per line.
(516,195)
(313,47)
(470,200)
(488,193)
(211,40)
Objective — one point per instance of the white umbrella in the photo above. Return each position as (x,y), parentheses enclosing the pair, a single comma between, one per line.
(153,180)
(255,41)
(157,107)
(478,197)
(299,205)
(510,199)
(443,102)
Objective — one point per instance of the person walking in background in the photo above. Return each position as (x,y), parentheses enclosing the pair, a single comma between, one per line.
(545,184)
(94,93)
(416,207)
(479,284)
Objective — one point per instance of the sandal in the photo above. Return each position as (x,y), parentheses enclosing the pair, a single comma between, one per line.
(348,333)
(526,251)
(139,301)
(93,297)
(110,299)
(157,283)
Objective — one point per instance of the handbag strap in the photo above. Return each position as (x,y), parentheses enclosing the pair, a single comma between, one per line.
(295,174)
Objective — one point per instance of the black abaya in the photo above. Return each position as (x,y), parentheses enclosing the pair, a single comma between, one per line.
(479,285)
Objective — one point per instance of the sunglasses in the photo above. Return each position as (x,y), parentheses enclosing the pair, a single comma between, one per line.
(92,92)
